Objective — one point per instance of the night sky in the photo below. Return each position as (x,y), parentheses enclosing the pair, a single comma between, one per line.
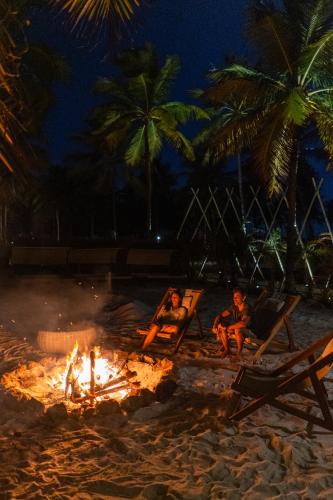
(201,32)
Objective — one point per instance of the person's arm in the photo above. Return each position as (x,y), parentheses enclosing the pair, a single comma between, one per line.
(182,314)
(223,314)
(243,322)
(161,312)
(181,317)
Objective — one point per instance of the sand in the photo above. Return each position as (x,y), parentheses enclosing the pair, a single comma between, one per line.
(179,448)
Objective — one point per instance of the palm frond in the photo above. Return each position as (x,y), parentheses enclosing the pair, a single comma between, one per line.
(183,112)
(297,107)
(12,104)
(234,136)
(273,149)
(135,61)
(317,18)
(270,32)
(116,91)
(179,141)
(136,149)
(97,11)
(164,80)
(240,81)
(316,55)
(154,140)
(116,138)
(324,122)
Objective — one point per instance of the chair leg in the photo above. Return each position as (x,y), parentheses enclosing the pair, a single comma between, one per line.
(323,403)
(178,343)
(292,346)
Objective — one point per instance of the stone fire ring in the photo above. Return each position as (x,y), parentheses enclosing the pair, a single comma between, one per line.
(63,341)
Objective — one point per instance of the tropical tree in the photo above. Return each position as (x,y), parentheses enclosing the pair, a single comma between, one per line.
(138,117)
(222,113)
(289,91)
(14,105)
(11,50)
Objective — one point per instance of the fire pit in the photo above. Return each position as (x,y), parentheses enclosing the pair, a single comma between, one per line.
(93,378)
(85,379)
(63,341)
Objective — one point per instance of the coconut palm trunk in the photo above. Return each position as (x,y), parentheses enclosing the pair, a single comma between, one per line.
(290,284)
(241,191)
(114,215)
(147,163)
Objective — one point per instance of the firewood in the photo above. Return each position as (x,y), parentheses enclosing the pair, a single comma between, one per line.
(92,377)
(68,379)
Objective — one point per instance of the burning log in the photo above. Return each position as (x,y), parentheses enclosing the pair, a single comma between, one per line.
(102,392)
(119,384)
(69,379)
(92,377)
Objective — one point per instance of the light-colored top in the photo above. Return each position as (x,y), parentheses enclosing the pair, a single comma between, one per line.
(172,316)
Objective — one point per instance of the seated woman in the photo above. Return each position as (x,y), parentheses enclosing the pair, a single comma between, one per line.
(170,318)
(233,320)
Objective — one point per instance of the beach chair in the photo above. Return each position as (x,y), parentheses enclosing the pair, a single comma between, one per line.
(271,315)
(308,383)
(190,301)
(264,294)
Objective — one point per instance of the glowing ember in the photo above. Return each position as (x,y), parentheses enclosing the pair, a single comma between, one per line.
(76,379)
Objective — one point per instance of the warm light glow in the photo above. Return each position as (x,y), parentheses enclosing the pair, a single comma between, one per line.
(81,374)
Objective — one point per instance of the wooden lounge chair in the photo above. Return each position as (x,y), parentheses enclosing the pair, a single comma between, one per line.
(268,387)
(271,315)
(190,301)
(264,294)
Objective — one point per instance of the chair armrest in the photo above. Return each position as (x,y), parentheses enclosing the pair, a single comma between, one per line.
(255,369)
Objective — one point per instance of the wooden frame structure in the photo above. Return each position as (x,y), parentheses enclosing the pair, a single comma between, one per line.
(267,387)
(212,211)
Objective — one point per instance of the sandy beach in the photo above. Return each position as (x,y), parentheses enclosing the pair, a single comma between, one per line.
(180,447)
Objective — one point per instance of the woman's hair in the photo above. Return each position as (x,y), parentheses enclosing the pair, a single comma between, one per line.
(178,292)
(240,290)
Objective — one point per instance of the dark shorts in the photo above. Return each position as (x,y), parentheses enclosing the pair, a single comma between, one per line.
(161,322)
(225,321)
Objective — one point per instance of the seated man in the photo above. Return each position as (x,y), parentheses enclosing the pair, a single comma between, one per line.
(170,318)
(233,320)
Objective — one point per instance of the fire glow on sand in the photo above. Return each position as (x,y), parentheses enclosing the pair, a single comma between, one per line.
(85,379)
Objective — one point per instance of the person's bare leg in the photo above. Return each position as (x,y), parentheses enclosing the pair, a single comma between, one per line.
(239,341)
(153,331)
(223,336)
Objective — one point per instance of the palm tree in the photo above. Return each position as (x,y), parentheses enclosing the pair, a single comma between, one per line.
(138,116)
(11,129)
(14,106)
(97,11)
(222,113)
(288,92)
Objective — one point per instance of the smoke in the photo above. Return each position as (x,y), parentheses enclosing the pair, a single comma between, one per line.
(30,305)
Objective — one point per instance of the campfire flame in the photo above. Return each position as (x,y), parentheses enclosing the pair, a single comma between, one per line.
(76,379)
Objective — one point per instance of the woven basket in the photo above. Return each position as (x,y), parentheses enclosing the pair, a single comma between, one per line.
(63,342)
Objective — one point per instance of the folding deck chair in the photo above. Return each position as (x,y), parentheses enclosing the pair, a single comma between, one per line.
(271,315)
(190,301)
(267,387)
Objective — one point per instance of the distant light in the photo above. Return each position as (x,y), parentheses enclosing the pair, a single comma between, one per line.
(158,238)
